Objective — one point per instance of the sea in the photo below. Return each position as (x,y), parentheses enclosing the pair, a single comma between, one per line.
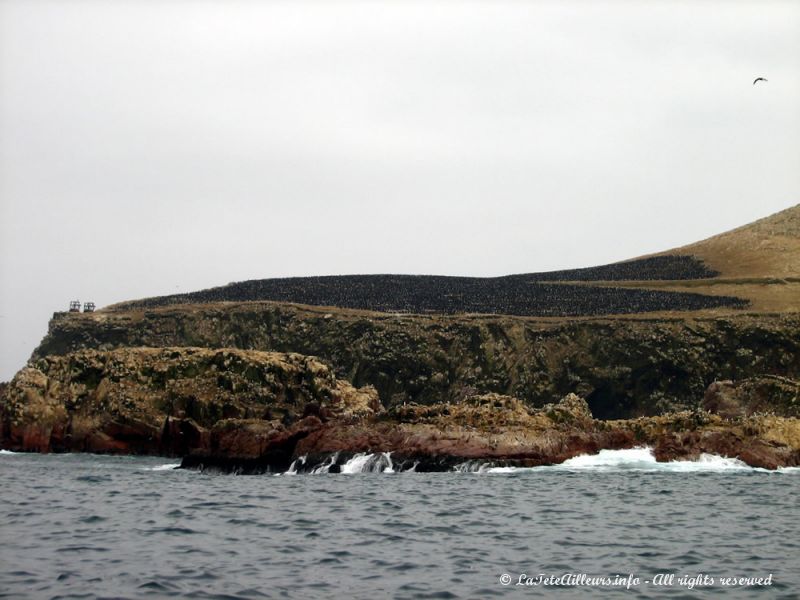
(614,525)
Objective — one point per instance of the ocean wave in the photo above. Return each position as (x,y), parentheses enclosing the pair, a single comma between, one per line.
(380,462)
(632,459)
(164,467)
(642,459)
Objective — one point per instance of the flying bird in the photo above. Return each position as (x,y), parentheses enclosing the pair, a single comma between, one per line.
(757,79)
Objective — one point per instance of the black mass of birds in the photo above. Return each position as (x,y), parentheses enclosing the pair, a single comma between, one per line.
(534,294)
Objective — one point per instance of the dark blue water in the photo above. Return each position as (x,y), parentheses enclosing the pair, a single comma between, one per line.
(82,526)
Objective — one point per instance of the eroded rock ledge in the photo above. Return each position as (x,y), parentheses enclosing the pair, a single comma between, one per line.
(249,412)
(167,400)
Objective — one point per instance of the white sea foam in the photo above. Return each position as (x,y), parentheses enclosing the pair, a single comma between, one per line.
(164,467)
(476,466)
(9,452)
(293,467)
(640,459)
(710,462)
(632,459)
(369,463)
(326,466)
(504,470)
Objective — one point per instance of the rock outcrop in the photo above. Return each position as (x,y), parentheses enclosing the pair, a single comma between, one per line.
(500,431)
(766,394)
(168,400)
(252,412)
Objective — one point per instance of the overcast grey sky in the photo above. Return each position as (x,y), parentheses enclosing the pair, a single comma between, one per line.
(149,147)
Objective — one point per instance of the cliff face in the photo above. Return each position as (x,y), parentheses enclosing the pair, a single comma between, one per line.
(167,400)
(623,367)
(252,412)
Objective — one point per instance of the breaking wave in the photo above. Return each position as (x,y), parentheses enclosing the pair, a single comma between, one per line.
(299,462)
(479,466)
(326,466)
(369,463)
(642,459)
(164,467)
(633,459)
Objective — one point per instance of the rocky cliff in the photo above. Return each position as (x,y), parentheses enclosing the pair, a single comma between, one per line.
(167,400)
(623,367)
(254,412)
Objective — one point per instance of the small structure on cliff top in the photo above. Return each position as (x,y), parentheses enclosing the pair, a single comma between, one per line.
(75,306)
(88,307)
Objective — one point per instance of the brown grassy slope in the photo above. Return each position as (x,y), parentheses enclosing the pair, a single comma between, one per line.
(769,247)
(766,295)
(759,261)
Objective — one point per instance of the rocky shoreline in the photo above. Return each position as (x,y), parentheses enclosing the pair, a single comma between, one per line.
(245,411)
(764,442)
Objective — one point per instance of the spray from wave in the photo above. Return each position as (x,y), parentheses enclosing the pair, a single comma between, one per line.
(642,459)
(296,463)
(479,466)
(164,467)
(369,463)
(364,462)
(633,459)
(326,466)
